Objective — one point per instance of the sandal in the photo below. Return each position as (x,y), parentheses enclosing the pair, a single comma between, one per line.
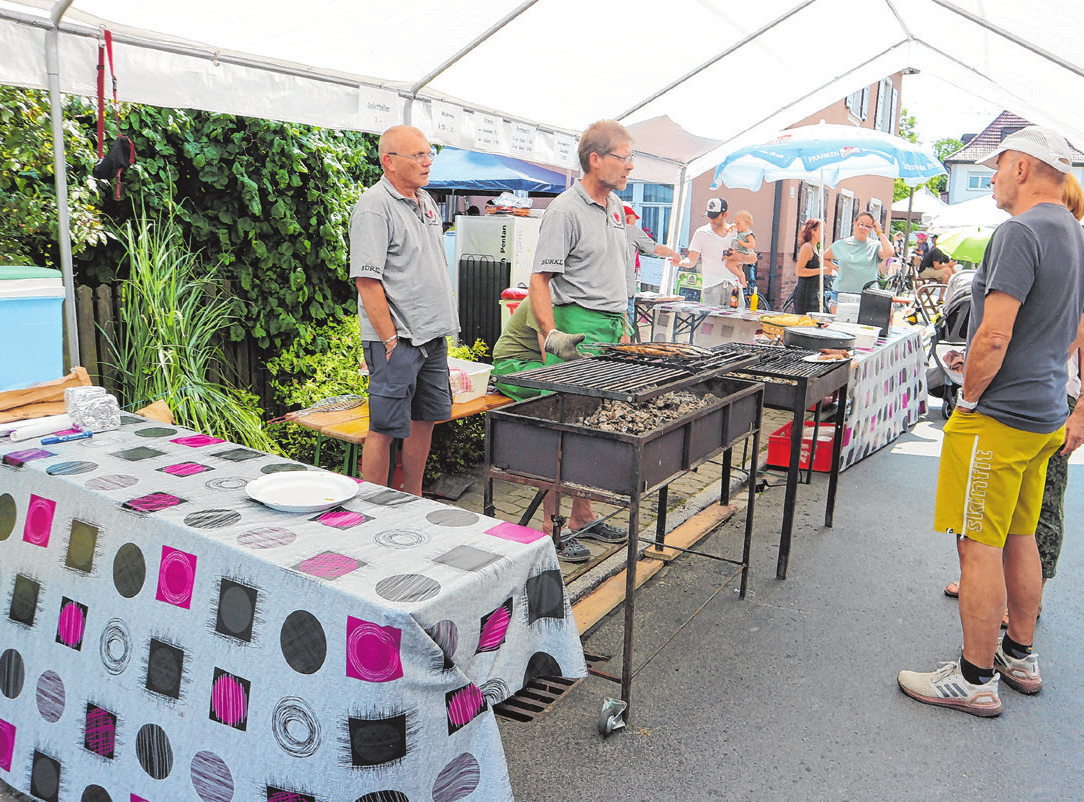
(602,531)
(952,590)
(572,551)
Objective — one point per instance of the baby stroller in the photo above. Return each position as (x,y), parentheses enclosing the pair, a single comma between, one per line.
(949,343)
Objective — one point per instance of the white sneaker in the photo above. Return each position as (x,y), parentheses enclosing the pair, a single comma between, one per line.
(948,688)
(1022,675)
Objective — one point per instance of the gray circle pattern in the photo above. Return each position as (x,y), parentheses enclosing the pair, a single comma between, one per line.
(407,588)
(115,646)
(295,727)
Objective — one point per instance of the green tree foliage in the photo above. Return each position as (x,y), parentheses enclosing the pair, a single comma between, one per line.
(167,341)
(942,147)
(28,208)
(270,200)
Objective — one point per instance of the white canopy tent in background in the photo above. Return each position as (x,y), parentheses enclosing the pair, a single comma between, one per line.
(524,77)
(923,203)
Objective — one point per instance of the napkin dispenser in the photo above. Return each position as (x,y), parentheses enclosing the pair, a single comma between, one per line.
(875,309)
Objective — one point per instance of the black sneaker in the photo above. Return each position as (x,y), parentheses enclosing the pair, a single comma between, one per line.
(572,551)
(603,532)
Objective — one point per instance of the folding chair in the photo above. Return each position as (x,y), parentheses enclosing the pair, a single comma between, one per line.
(929,298)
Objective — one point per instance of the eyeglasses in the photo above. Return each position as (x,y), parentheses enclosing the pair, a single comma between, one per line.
(418,157)
(863,225)
(626,159)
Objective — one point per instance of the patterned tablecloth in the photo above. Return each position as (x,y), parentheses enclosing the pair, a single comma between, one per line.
(164,637)
(886,395)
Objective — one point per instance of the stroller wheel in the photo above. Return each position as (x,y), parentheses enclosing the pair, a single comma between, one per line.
(948,398)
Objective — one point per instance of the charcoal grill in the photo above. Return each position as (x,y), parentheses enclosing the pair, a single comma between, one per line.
(541,443)
(628,377)
(793,384)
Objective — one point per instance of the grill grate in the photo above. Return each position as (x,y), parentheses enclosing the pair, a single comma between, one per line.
(780,363)
(626,377)
(540,695)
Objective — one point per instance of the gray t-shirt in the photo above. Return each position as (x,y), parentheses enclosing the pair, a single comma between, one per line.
(1037,258)
(585,245)
(398,242)
(638,241)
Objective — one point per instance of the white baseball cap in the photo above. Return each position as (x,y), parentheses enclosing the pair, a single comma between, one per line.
(1045,144)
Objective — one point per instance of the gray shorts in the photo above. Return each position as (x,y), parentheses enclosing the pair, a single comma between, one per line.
(413,385)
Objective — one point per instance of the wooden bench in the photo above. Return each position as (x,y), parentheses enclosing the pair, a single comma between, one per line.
(351,426)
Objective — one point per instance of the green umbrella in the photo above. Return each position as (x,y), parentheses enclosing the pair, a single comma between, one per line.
(966,245)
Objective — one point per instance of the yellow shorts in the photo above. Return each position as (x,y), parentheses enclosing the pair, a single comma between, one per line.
(990,484)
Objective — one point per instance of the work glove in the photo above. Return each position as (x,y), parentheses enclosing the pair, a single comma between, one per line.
(563,346)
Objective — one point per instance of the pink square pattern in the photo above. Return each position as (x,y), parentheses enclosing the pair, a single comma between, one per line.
(7,744)
(39,521)
(176,577)
(197,440)
(372,651)
(515,533)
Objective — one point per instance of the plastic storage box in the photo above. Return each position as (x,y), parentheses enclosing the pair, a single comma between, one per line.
(779,447)
(476,372)
(31,326)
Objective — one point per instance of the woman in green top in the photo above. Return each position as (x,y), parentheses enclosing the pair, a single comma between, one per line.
(859,258)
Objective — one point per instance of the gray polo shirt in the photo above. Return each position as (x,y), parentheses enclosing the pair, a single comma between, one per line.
(585,245)
(398,242)
(638,241)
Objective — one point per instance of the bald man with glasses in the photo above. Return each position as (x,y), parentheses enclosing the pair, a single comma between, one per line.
(405,308)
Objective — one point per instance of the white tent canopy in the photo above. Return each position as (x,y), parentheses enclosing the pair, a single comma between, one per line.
(523,77)
(981,212)
(924,203)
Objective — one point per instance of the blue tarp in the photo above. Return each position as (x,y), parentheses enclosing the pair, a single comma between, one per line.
(466,170)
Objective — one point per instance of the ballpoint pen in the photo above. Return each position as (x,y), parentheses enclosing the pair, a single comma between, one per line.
(64,438)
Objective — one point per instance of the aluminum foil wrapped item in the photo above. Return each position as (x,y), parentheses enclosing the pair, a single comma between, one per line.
(97,413)
(73,393)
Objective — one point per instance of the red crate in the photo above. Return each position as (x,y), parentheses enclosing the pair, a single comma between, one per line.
(779,447)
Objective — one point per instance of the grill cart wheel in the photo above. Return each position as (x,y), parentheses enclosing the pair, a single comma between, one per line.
(611,717)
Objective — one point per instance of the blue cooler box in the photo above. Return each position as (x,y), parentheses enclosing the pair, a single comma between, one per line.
(31,326)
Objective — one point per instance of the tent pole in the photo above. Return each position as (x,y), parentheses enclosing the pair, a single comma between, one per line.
(677,213)
(907,233)
(773,254)
(52,65)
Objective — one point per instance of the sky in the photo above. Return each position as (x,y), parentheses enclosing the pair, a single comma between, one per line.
(941,110)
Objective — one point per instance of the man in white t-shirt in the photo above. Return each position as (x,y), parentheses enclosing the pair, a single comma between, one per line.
(711,242)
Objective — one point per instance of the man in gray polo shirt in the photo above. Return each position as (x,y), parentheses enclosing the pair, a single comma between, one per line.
(405,307)
(577,288)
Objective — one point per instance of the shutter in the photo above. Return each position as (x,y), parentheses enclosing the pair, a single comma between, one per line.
(803,196)
(836,232)
(879,118)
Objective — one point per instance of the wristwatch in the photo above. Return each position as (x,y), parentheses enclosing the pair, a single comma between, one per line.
(967,406)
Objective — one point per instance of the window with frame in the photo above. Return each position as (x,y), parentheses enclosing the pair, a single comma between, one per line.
(978,182)
(652,202)
(887,100)
(844,214)
(858,103)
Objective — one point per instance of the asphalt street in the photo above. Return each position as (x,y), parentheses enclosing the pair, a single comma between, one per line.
(791,694)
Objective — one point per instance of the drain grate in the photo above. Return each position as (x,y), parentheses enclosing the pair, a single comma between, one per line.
(540,695)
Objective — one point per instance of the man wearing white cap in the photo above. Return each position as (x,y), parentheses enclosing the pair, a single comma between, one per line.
(712,241)
(1026,305)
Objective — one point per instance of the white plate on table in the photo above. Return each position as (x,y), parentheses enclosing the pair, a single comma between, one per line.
(302,491)
(825,358)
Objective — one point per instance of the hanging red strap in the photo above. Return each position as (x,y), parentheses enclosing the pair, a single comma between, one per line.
(101,100)
(106,46)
